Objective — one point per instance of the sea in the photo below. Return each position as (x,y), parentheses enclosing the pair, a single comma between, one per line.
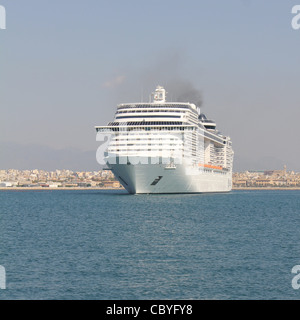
(109,245)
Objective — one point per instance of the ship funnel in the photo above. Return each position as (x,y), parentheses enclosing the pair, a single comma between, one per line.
(159,95)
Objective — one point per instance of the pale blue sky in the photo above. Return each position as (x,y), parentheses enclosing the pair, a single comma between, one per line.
(64,65)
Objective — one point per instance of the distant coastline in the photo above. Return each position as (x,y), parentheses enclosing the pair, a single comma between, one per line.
(104,179)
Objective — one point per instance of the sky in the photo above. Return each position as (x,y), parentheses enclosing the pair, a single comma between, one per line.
(65,65)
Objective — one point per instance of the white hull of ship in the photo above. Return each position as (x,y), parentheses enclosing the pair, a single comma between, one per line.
(157,178)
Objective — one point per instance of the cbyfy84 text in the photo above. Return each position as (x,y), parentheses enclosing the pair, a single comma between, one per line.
(155,309)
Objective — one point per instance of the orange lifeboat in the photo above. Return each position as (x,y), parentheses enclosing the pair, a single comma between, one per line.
(210,166)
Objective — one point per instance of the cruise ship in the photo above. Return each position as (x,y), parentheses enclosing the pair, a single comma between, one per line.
(165,147)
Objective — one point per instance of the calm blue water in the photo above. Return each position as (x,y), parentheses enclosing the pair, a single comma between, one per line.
(110,245)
